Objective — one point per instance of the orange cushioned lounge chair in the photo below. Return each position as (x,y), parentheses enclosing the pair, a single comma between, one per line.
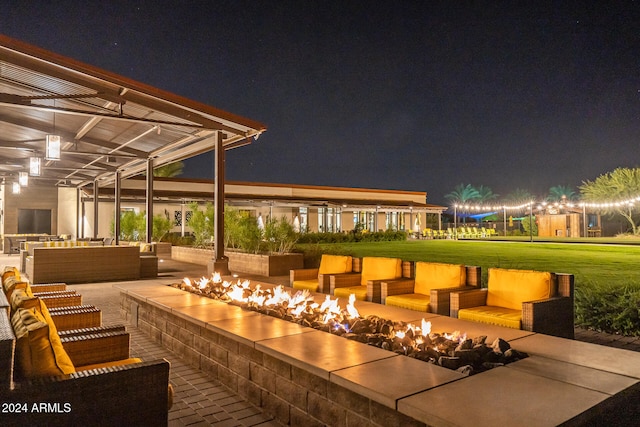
(366,285)
(522,299)
(430,290)
(317,279)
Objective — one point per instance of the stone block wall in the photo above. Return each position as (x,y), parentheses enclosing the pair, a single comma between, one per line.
(292,395)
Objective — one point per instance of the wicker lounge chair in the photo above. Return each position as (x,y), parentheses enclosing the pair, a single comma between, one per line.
(85,376)
(366,285)
(522,299)
(317,279)
(430,290)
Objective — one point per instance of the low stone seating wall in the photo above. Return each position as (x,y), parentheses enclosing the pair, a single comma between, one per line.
(307,377)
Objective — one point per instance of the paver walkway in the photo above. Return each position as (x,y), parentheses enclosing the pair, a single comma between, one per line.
(199,400)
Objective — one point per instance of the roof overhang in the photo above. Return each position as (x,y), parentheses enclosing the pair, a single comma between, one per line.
(108,123)
(181,190)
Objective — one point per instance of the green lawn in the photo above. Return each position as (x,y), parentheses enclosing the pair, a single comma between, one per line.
(590,263)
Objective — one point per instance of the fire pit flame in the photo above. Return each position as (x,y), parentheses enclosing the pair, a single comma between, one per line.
(450,350)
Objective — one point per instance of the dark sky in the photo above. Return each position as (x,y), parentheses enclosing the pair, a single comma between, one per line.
(411,95)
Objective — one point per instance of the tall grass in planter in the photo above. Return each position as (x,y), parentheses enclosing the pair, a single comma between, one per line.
(279,236)
(202,223)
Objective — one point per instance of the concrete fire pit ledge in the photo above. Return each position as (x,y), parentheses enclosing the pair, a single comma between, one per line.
(307,377)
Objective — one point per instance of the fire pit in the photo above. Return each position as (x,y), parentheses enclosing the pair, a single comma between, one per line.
(454,351)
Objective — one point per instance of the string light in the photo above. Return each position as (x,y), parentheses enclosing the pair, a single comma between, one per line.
(543,205)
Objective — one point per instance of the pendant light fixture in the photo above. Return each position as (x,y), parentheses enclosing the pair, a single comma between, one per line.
(35,166)
(52,148)
(23,179)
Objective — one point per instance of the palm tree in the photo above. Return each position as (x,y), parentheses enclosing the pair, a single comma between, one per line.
(169,170)
(485,194)
(463,194)
(518,197)
(561,193)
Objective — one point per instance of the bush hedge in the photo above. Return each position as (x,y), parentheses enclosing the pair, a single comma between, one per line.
(611,308)
(378,236)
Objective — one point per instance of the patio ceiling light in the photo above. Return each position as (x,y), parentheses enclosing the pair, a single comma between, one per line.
(52,148)
(23,179)
(35,164)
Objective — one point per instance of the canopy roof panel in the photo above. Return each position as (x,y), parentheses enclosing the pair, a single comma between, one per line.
(107,122)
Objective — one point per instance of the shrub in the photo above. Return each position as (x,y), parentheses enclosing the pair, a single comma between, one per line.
(161,226)
(202,223)
(525,227)
(353,236)
(176,239)
(250,237)
(279,236)
(610,308)
(232,227)
(132,226)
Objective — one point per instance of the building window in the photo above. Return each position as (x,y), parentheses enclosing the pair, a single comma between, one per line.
(392,221)
(304,219)
(365,220)
(328,221)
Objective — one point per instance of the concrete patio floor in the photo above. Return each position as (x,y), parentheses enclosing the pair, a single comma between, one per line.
(200,399)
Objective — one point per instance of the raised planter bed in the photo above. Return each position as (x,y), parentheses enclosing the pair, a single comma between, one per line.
(240,262)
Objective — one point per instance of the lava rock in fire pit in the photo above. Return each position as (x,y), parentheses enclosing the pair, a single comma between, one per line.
(500,345)
(449,362)
(456,352)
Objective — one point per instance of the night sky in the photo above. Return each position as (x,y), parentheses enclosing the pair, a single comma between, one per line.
(409,95)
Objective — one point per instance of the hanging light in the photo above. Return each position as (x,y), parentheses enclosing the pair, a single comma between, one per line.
(16,188)
(35,166)
(23,179)
(52,149)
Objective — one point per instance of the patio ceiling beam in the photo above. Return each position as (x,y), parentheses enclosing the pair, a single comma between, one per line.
(85,113)
(69,136)
(96,154)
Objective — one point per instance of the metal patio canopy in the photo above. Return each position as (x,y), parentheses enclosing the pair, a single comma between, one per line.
(111,127)
(107,122)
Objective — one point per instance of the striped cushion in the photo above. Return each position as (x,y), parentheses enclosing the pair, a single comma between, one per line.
(39,351)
